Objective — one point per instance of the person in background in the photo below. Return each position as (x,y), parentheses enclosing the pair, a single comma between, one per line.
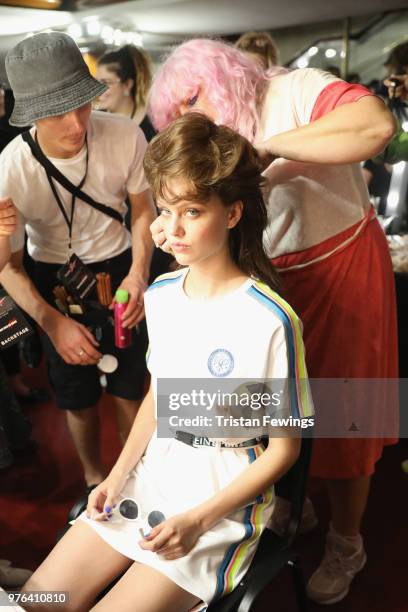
(313,130)
(261,47)
(53,91)
(334,70)
(15,428)
(30,347)
(353,77)
(397,85)
(127,75)
(397,60)
(10,577)
(8,225)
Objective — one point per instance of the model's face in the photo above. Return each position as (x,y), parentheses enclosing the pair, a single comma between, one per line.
(197,232)
(199,102)
(64,135)
(113,97)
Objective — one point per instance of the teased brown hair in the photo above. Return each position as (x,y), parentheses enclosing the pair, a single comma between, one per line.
(215,160)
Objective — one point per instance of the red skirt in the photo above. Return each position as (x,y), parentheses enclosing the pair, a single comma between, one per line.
(346,301)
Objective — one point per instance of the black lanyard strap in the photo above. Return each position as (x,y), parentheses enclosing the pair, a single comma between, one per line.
(76,191)
(69,220)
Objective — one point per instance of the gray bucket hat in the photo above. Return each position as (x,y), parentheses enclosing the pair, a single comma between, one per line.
(49,77)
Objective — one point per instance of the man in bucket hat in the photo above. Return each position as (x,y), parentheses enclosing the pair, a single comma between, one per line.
(101,155)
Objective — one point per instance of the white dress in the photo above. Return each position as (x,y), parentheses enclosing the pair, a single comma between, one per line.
(185,338)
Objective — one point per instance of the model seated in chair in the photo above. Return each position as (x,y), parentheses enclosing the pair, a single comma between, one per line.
(218,317)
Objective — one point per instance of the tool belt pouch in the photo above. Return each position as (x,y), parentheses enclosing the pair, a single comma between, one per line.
(77,294)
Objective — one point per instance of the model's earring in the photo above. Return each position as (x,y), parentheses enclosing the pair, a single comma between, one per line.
(126,93)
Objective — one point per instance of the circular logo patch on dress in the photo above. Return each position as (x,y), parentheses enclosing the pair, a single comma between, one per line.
(220,363)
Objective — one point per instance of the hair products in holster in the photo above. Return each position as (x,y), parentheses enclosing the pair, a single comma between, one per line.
(123,337)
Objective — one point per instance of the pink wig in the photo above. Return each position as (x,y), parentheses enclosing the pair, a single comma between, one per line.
(228,77)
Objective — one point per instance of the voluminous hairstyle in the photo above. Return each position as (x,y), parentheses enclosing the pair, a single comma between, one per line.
(130,62)
(215,160)
(261,44)
(229,78)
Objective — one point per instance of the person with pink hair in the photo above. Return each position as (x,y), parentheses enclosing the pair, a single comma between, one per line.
(312,130)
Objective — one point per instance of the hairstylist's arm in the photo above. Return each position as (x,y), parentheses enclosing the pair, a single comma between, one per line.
(350,133)
(104,496)
(8,225)
(176,536)
(142,214)
(73,341)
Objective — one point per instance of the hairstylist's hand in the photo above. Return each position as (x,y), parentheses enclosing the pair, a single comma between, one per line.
(72,341)
(158,236)
(173,538)
(102,499)
(8,217)
(135,285)
(399,90)
(265,154)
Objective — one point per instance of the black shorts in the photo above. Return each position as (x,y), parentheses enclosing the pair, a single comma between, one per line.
(78,387)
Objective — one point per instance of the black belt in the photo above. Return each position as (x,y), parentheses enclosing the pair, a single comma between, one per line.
(200,441)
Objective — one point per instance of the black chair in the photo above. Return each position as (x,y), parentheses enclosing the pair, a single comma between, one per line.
(275,552)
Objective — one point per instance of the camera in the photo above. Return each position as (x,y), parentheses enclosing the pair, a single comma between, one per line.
(395,81)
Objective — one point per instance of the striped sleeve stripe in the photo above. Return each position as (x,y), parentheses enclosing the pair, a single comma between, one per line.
(301,404)
(166,279)
(236,554)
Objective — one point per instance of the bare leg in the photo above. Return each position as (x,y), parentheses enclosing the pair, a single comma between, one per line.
(143,589)
(348,500)
(126,411)
(84,427)
(82,563)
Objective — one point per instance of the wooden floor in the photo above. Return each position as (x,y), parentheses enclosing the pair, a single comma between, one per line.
(37,492)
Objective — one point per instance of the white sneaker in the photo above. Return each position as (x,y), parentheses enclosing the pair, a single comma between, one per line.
(280,516)
(12,576)
(341,562)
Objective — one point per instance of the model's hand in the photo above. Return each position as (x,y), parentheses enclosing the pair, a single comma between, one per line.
(8,217)
(135,285)
(173,538)
(73,341)
(159,237)
(103,498)
(397,86)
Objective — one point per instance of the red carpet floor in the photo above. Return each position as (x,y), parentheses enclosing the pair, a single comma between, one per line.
(37,492)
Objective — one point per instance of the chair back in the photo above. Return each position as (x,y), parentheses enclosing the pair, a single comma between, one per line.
(292,488)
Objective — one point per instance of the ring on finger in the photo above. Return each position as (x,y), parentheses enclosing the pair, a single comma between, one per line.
(81,353)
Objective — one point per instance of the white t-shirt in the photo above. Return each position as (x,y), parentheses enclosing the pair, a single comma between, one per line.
(250,333)
(116,147)
(307,203)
